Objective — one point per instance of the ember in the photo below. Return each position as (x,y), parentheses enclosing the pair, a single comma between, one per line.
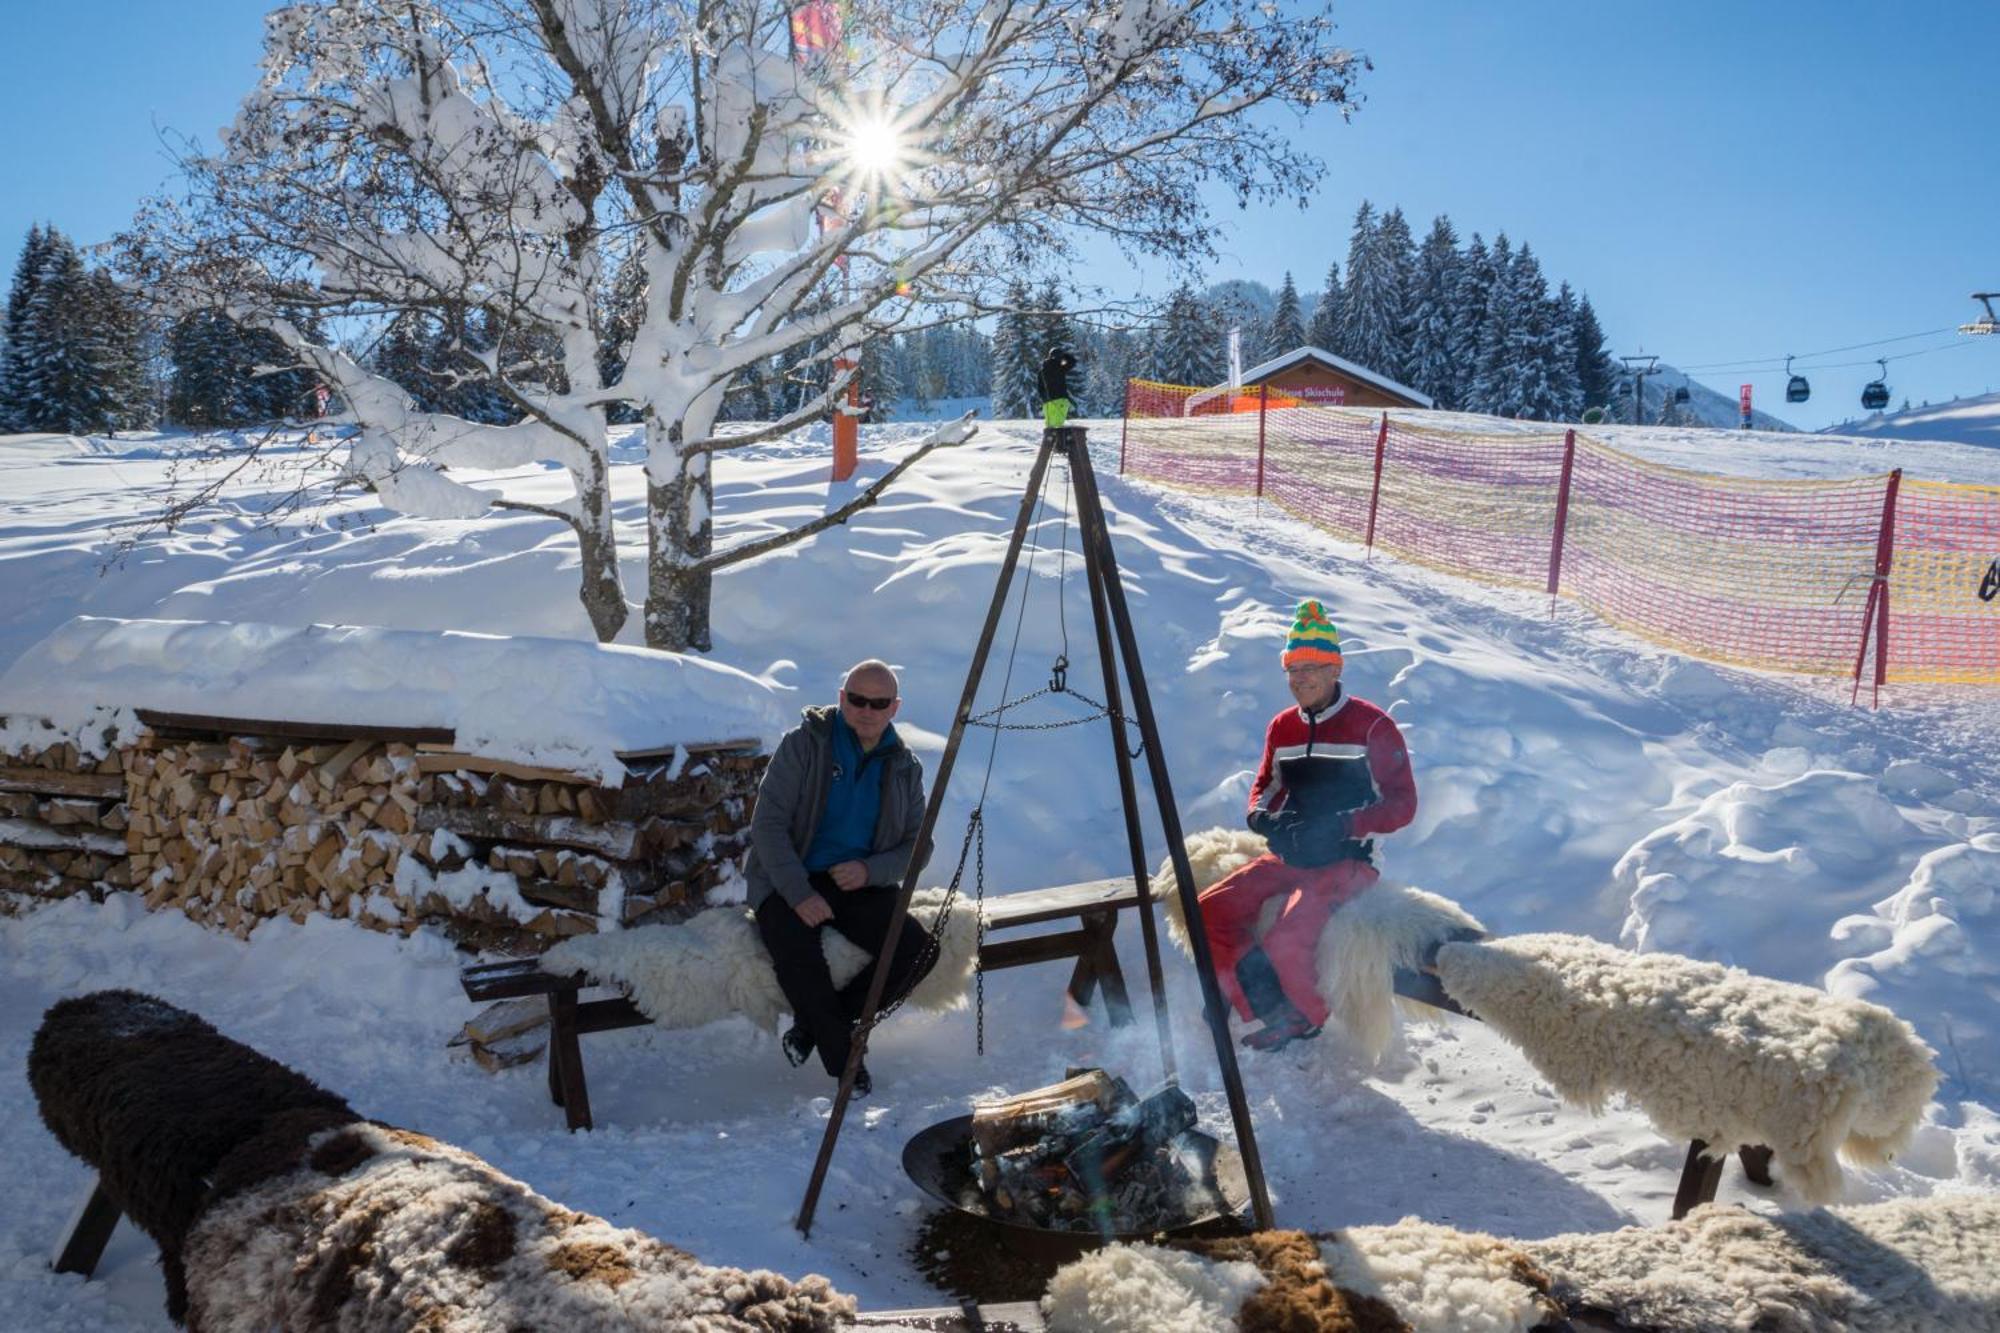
(1087,1154)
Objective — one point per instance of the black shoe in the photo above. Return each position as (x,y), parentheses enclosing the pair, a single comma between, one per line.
(797,1044)
(863,1085)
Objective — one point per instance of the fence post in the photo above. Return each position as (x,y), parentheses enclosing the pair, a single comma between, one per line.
(1375,493)
(1876,615)
(1562,518)
(1263,403)
(1124,425)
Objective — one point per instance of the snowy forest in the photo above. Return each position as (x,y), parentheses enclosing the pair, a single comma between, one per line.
(1473,324)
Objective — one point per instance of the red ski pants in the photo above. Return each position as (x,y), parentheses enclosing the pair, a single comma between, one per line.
(1230,908)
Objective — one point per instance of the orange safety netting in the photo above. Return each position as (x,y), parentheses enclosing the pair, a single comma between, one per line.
(1778,575)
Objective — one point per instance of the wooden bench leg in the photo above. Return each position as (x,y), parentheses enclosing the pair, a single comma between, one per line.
(1698,1180)
(89,1233)
(1110,977)
(1756,1163)
(566,1060)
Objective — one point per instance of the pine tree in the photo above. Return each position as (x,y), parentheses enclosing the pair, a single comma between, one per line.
(1596,372)
(1473,286)
(1287,331)
(1118,356)
(1396,251)
(406,354)
(119,338)
(1496,379)
(1532,344)
(60,379)
(1186,351)
(1372,303)
(1015,360)
(15,335)
(1434,316)
(881,377)
(1325,328)
(1562,370)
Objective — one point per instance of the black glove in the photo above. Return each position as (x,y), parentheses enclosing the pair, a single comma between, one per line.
(1271,822)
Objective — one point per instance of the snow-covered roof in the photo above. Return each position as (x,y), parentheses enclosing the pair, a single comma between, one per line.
(1269,368)
(558,703)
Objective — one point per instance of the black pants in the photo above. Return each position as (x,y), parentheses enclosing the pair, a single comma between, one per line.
(827,1014)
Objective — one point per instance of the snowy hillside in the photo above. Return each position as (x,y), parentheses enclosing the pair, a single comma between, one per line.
(1961,421)
(1570,778)
(1706,406)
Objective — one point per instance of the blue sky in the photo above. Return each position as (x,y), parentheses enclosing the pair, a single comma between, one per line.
(1728,181)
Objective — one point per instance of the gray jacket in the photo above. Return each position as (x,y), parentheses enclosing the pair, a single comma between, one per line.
(793,797)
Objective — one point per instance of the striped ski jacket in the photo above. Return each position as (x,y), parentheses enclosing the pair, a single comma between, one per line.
(1348,759)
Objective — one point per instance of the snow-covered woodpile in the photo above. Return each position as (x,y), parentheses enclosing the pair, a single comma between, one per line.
(277,1207)
(1880,1268)
(233,827)
(62,822)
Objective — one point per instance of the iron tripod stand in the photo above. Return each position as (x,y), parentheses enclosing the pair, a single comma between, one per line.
(1113,623)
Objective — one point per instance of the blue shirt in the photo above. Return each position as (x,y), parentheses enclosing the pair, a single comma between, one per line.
(846,829)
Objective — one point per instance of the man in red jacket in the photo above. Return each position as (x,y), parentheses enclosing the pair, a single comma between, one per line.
(1335,773)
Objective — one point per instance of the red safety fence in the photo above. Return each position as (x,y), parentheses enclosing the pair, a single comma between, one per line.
(1877,577)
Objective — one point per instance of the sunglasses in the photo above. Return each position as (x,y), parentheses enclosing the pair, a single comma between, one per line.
(880,704)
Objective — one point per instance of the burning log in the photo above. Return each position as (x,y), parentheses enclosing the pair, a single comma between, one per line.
(1088,1155)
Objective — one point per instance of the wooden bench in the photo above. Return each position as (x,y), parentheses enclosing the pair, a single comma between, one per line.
(1094,905)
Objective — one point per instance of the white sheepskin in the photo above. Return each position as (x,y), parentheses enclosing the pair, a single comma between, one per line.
(684,974)
(1388,926)
(1708,1052)
(389,1231)
(1910,1266)
(1437,1279)
(1147,1289)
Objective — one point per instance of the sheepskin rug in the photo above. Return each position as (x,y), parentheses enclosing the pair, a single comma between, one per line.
(1408,1278)
(1709,1052)
(1388,926)
(1912,1266)
(687,973)
(378,1230)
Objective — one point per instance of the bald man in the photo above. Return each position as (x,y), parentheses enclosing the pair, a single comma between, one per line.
(831,841)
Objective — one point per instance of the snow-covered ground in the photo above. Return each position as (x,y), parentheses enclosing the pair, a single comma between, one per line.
(1571,779)
(1974,420)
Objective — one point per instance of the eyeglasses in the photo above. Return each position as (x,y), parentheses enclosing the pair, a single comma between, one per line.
(880,703)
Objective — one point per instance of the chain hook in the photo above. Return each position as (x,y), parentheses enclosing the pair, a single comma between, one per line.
(1059,675)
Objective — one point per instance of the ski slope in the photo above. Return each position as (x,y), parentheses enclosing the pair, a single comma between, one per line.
(1571,778)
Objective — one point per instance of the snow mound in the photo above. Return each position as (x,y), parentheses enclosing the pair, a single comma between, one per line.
(562,703)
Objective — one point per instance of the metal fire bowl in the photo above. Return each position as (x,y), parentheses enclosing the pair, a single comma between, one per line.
(939,1161)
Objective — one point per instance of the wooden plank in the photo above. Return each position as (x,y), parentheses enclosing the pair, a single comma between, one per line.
(331,731)
(609,1015)
(56,782)
(503,981)
(452,761)
(37,836)
(616,841)
(997,955)
(566,1060)
(1037,905)
(1008,1317)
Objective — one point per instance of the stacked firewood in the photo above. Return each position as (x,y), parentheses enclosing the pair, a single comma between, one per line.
(589,857)
(235,829)
(62,822)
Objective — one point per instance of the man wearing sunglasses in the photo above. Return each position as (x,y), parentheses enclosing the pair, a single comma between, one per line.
(830,841)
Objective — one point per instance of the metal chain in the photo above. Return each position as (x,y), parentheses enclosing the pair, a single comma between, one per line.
(927,953)
(1102,710)
(979,972)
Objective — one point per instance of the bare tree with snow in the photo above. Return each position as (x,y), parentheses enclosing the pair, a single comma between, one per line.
(509,156)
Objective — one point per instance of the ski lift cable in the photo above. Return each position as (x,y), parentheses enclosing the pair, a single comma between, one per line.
(1752,362)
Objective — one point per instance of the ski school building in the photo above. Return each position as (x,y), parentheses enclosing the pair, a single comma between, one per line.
(1306,376)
